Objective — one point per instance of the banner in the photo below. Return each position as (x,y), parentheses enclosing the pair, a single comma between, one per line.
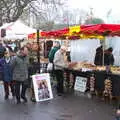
(80,84)
(42,87)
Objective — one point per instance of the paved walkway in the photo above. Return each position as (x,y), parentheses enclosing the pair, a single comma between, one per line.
(68,107)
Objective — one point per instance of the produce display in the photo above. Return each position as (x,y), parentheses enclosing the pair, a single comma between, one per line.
(100,68)
(81,65)
(44,60)
(115,70)
(89,66)
(108,88)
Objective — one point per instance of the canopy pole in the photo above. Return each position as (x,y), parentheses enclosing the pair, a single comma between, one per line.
(103,56)
(103,52)
(38,50)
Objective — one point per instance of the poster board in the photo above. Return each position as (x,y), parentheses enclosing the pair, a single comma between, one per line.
(80,84)
(42,87)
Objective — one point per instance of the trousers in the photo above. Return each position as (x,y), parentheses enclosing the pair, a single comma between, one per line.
(60,80)
(20,92)
(12,87)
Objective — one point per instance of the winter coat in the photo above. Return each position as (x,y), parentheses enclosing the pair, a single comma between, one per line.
(20,68)
(1,69)
(6,70)
(108,58)
(52,53)
(98,57)
(59,62)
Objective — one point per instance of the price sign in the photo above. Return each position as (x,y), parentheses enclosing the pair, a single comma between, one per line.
(80,84)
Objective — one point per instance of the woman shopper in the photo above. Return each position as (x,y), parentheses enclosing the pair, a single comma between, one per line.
(20,74)
(6,63)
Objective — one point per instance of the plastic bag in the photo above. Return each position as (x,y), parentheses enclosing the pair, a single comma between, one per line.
(50,67)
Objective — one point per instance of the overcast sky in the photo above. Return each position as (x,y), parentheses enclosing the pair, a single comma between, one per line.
(100,8)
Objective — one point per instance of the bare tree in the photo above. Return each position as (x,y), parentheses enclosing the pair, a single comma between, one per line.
(43,14)
(11,10)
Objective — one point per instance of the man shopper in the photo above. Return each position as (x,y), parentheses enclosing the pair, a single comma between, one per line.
(59,64)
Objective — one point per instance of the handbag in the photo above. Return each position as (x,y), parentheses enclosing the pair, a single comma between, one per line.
(50,67)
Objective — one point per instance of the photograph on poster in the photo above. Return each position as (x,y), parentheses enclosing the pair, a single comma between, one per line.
(42,87)
(43,92)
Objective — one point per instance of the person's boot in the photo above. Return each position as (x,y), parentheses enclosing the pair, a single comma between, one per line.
(6,97)
(18,102)
(24,99)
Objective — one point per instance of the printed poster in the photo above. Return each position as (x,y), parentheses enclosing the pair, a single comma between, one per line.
(80,84)
(42,87)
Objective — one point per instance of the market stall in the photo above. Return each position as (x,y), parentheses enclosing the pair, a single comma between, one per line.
(15,33)
(105,81)
(16,30)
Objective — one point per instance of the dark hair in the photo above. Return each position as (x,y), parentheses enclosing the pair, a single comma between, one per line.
(110,49)
(101,46)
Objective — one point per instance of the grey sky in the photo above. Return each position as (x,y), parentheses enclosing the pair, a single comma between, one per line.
(100,8)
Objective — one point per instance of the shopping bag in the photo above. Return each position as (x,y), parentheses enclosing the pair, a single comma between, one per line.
(50,67)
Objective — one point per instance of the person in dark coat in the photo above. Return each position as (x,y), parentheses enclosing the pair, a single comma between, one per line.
(54,49)
(99,56)
(52,52)
(108,57)
(5,62)
(20,66)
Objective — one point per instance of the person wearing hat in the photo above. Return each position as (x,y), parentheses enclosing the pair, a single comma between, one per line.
(59,65)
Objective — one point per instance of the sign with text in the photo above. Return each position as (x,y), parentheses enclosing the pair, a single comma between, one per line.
(80,84)
(42,87)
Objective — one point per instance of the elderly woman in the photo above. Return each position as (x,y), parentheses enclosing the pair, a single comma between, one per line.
(20,74)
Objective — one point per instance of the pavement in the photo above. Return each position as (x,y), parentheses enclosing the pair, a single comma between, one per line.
(67,107)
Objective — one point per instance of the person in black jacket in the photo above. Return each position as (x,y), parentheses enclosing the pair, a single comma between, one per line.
(108,57)
(99,56)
